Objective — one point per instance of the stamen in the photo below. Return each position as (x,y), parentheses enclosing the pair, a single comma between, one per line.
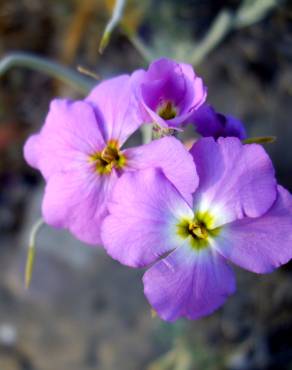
(110,157)
(167,110)
(110,154)
(198,230)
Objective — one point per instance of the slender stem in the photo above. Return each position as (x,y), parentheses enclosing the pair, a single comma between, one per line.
(115,19)
(145,52)
(146,131)
(253,11)
(31,251)
(53,69)
(248,13)
(216,33)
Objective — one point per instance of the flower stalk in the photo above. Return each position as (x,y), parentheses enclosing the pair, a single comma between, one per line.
(31,251)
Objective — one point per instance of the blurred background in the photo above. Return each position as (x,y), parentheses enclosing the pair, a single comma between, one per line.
(84,311)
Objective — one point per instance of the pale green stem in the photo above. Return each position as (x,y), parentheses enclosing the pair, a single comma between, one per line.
(146,131)
(115,19)
(253,11)
(216,33)
(31,251)
(50,68)
(248,13)
(145,52)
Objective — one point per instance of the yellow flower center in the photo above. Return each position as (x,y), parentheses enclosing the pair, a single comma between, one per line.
(110,157)
(198,230)
(167,110)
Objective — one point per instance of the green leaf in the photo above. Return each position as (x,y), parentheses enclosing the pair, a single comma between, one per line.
(112,23)
(29,265)
(31,252)
(260,140)
(50,68)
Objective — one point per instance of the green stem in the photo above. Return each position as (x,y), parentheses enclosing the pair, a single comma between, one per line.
(31,251)
(145,52)
(146,131)
(248,13)
(253,11)
(53,69)
(113,22)
(216,33)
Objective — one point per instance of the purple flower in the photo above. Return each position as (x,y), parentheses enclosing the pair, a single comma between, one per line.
(169,92)
(79,152)
(208,122)
(237,214)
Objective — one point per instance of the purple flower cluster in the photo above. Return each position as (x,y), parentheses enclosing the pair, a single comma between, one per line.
(183,214)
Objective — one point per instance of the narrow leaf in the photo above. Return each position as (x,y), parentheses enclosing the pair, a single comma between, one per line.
(48,67)
(31,252)
(260,140)
(115,19)
(29,265)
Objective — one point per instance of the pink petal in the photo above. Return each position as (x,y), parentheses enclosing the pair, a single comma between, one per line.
(144,209)
(120,109)
(70,134)
(171,156)
(77,200)
(236,180)
(188,283)
(260,244)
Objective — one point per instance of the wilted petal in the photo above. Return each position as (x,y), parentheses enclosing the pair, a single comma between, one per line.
(210,123)
(232,127)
